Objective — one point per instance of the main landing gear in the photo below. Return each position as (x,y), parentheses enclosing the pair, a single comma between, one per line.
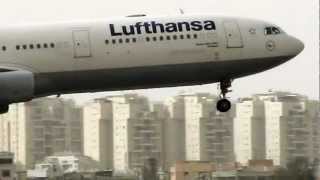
(224,105)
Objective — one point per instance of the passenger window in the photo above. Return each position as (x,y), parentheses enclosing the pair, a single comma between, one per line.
(188,36)
(45,45)
(18,47)
(52,45)
(106,41)
(113,41)
(168,38)
(181,36)
(134,40)
(38,46)
(154,38)
(31,46)
(161,38)
(24,46)
(195,36)
(4,48)
(175,37)
(148,39)
(120,41)
(127,40)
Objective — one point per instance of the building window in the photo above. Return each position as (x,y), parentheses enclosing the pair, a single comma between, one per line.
(6,173)
(6,161)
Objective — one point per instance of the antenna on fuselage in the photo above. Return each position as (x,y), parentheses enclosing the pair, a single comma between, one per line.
(181,11)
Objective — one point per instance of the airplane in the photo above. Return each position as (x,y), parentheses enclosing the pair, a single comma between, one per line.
(136,52)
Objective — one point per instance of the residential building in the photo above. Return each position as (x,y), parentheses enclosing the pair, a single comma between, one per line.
(189,170)
(174,131)
(249,130)
(257,169)
(69,163)
(135,136)
(7,166)
(98,132)
(36,129)
(59,165)
(280,126)
(292,127)
(198,130)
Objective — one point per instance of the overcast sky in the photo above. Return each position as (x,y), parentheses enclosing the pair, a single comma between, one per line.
(298,18)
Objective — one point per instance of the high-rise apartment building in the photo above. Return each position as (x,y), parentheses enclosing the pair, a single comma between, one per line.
(249,130)
(202,133)
(136,133)
(36,129)
(174,131)
(98,132)
(280,126)
(292,127)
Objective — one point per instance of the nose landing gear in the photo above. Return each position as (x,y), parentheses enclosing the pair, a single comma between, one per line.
(224,105)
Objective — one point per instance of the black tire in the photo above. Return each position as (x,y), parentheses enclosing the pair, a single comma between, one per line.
(223,105)
(4,108)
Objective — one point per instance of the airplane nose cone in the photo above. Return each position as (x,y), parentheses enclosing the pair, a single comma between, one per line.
(299,46)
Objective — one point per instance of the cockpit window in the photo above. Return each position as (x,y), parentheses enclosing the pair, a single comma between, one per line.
(271,30)
(275,30)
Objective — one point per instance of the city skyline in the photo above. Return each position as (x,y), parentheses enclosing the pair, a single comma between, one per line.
(193,131)
(154,98)
(120,132)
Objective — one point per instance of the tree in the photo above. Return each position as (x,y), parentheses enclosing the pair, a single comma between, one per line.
(150,169)
(297,169)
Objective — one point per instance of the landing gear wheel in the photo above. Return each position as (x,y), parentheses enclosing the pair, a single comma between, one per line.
(223,105)
(4,108)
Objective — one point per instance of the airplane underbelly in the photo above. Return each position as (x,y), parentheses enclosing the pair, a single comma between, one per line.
(149,77)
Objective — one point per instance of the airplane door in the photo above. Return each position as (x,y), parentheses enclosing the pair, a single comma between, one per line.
(233,35)
(81,43)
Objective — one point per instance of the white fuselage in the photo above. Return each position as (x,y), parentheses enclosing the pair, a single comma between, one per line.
(138,52)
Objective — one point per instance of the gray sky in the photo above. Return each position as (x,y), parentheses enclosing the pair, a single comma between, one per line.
(298,18)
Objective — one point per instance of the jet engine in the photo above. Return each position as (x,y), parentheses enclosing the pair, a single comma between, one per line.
(15,86)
